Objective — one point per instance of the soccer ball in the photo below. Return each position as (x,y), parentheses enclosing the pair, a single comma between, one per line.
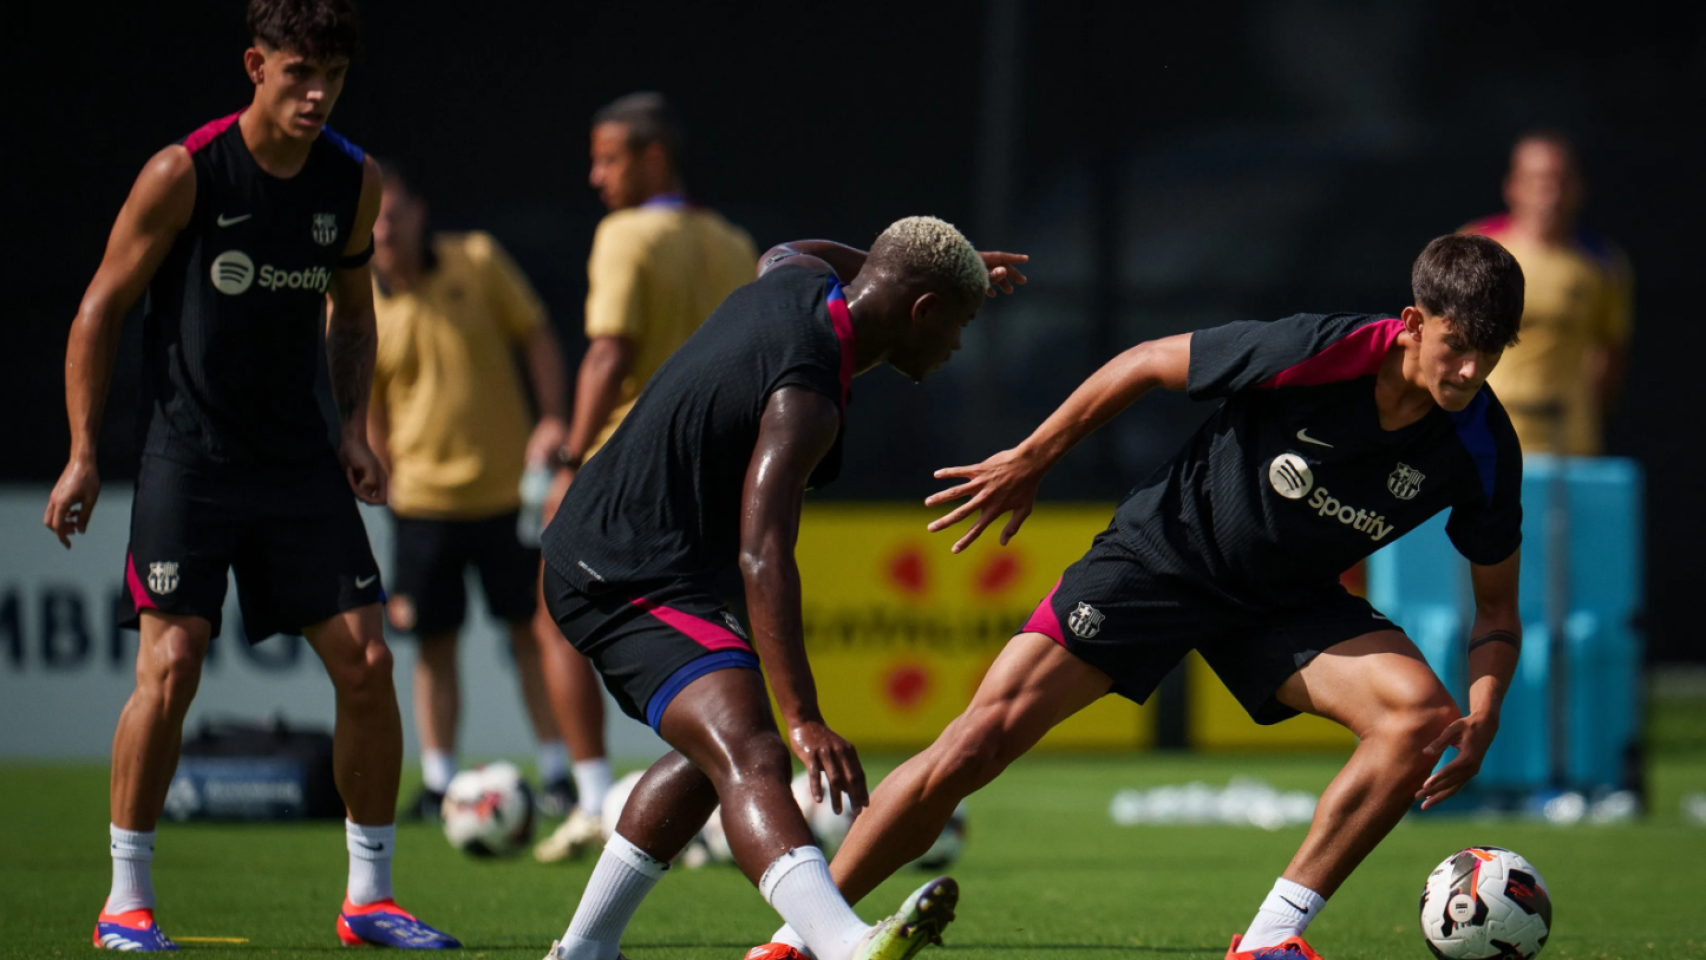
(1486,903)
(827,826)
(488,811)
(948,845)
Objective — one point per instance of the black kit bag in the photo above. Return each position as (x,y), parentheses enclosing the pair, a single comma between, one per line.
(249,771)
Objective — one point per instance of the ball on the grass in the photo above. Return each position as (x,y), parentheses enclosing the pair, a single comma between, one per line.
(488,811)
(948,843)
(615,799)
(1486,903)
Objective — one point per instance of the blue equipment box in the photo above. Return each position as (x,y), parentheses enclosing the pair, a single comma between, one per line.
(1581,570)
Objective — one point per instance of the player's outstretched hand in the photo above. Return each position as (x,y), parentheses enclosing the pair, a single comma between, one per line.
(828,757)
(1471,735)
(72,501)
(1005,483)
(365,473)
(1003,269)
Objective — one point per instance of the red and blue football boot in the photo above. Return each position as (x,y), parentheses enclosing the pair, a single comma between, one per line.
(775,951)
(1291,948)
(384,924)
(130,930)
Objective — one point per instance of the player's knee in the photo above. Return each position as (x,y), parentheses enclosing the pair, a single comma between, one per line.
(175,681)
(365,673)
(976,747)
(1420,718)
(760,754)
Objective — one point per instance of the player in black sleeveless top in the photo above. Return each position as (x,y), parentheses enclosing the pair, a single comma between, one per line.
(703,478)
(1338,434)
(237,235)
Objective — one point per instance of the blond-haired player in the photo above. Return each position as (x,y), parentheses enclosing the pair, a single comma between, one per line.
(705,477)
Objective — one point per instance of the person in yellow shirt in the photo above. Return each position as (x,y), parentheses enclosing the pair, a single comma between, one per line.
(1564,373)
(449,418)
(660,264)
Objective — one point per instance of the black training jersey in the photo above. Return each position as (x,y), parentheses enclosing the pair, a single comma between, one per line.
(1293,480)
(231,329)
(662,499)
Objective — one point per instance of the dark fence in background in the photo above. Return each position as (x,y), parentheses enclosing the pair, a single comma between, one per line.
(1166,169)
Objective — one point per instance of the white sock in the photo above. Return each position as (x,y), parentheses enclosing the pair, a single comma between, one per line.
(622,878)
(437,767)
(799,886)
(133,883)
(1285,913)
(592,782)
(553,761)
(370,850)
(792,938)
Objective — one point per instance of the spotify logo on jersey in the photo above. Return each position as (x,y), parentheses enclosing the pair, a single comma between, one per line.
(1290,476)
(232,272)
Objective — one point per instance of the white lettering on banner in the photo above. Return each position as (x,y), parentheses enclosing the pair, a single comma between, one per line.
(66,668)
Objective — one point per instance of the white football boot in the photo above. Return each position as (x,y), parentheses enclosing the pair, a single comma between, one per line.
(574,836)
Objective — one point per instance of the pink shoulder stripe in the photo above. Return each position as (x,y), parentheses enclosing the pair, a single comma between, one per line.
(1359,354)
(1491,226)
(709,635)
(843,322)
(1044,620)
(204,136)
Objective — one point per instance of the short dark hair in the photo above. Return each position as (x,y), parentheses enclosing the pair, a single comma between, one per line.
(650,118)
(319,30)
(1474,283)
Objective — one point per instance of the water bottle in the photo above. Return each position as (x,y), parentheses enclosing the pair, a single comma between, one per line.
(530,521)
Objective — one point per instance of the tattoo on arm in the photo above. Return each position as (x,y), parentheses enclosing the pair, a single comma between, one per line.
(1496,636)
(349,361)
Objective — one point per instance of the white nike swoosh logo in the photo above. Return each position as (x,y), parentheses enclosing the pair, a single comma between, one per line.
(1306,438)
(225,221)
(363,583)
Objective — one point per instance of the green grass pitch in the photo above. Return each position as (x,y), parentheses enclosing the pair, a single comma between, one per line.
(1045,875)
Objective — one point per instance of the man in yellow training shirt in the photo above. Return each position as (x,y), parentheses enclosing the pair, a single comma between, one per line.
(1563,374)
(449,417)
(660,264)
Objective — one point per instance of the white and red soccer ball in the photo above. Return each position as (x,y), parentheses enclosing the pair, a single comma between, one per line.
(1486,903)
(489,811)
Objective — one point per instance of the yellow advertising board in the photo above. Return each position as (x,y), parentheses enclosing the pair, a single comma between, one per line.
(900,630)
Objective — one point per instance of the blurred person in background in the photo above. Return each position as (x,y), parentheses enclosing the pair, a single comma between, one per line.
(659,265)
(1565,373)
(449,418)
(238,234)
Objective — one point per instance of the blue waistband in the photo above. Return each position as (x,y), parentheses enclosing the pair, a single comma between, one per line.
(689,672)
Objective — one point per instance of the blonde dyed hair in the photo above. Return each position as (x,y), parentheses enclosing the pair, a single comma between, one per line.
(933,251)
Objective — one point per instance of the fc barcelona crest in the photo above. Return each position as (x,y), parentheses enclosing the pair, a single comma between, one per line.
(325,229)
(162,577)
(1085,621)
(1405,482)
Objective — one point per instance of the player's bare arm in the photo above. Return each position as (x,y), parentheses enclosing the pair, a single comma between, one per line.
(846,261)
(598,388)
(548,376)
(1495,641)
(1007,482)
(798,429)
(351,340)
(158,209)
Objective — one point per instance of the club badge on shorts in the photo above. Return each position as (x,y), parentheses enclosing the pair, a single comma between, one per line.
(1085,621)
(162,577)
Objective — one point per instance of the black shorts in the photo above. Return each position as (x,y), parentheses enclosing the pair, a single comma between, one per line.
(649,642)
(1114,614)
(296,544)
(428,590)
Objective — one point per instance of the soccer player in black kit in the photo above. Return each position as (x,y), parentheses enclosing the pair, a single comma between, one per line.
(1338,434)
(238,234)
(705,476)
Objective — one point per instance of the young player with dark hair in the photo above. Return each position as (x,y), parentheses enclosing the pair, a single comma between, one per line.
(706,475)
(238,234)
(1338,434)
